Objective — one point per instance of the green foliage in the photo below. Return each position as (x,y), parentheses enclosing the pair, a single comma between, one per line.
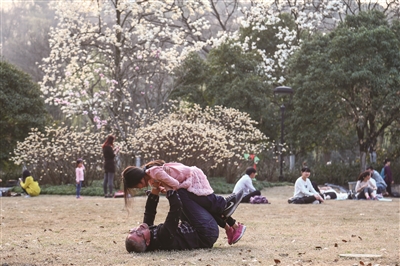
(228,77)
(9,171)
(235,75)
(346,84)
(22,107)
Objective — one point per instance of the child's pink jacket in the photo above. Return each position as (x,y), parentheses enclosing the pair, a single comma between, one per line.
(79,173)
(177,175)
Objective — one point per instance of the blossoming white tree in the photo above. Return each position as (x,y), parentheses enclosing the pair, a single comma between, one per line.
(109,56)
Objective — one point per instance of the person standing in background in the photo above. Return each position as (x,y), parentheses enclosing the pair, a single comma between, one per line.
(79,177)
(109,153)
(388,176)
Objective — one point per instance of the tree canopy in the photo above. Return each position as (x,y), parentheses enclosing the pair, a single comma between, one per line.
(22,107)
(349,78)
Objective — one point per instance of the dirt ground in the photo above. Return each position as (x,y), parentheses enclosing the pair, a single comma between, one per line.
(61,230)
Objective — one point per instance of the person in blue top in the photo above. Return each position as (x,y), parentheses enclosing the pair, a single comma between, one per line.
(380,183)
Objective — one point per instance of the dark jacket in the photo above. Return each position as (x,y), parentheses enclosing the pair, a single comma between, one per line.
(172,234)
(109,155)
(388,175)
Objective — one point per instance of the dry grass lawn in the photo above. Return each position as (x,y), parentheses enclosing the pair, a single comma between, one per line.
(60,230)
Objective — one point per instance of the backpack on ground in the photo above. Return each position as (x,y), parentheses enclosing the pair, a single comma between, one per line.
(259,200)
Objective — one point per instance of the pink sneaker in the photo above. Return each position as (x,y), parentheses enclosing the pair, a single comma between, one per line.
(238,233)
(229,233)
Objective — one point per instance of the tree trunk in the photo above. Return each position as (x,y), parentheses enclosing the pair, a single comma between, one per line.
(363,157)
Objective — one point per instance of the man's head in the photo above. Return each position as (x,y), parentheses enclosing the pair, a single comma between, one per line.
(138,239)
(251,172)
(387,162)
(370,169)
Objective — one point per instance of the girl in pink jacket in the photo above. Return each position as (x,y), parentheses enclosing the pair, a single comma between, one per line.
(79,177)
(179,176)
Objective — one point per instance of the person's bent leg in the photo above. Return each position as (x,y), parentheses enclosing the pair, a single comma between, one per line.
(367,192)
(212,203)
(246,199)
(24,191)
(371,193)
(361,195)
(305,200)
(199,218)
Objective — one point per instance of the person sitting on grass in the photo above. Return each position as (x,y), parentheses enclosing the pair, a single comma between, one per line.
(304,191)
(364,188)
(187,226)
(380,183)
(245,184)
(29,185)
(177,175)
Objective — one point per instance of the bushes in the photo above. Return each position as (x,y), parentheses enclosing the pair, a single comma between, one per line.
(96,189)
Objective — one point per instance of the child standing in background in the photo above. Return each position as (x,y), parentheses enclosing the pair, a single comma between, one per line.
(79,177)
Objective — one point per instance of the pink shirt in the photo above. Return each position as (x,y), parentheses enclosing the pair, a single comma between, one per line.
(177,175)
(79,173)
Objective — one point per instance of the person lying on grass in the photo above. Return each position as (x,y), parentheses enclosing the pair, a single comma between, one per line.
(187,226)
(177,175)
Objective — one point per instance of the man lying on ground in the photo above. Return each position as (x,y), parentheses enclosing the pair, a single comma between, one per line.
(188,225)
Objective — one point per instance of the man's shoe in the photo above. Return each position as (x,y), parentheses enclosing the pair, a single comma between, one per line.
(238,233)
(290,201)
(229,233)
(232,202)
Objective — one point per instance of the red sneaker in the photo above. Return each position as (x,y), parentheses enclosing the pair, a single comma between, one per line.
(238,233)
(229,233)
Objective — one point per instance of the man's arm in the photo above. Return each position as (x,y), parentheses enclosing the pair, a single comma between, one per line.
(151,207)
(249,185)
